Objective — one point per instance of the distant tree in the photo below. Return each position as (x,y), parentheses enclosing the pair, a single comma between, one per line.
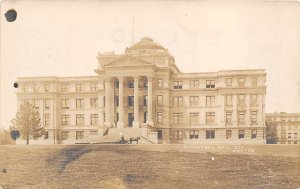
(27,122)
(15,134)
(271,134)
(5,137)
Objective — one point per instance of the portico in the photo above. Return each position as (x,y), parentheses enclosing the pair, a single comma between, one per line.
(114,105)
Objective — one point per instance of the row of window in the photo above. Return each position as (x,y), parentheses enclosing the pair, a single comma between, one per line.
(211,83)
(65,103)
(65,119)
(210,134)
(210,117)
(64,87)
(177,101)
(290,142)
(80,87)
(211,100)
(290,135)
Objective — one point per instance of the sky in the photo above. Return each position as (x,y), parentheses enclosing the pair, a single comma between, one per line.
(63,38)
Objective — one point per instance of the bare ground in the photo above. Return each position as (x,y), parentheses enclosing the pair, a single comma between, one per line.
(137,166)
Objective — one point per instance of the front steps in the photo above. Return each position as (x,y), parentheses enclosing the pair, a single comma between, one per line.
(114,135)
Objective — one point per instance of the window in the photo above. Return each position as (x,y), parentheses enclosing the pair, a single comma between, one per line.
(210,134)
(64,87)
(145,117)
(194,134)
(94,86)
(254,82)
(229,118)
(253,134)
(177,84)
(210,84)
(116,84)
(289,135)
(103,101)
(65,135)
(47,103)
(79,119)
(241,117)
(210,117)
(241,99)
(79,103)
(159,100)
(130,100)
(194,117)
(159,134)
(94,102)
(253,117)
(159,117)
(145,100)
(177,118)
(65,103)
(210,100)
(116,101)
(241,134)
(79,135)
(46,87)
(194,84)
(177,101)
(36,103)
(25,88)
(241,82)
(79,87)
(177,135)
(159,83)
(228,134)
(94,119)
(46,135)
(253,100)
(35,88)
(228,82)
(130,84)
(65,119)
(46,119)
(295,135)
(194,100)
(228,100)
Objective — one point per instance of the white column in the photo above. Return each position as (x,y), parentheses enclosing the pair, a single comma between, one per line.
(149,105)
(108,102)
(136,123)
(120,123)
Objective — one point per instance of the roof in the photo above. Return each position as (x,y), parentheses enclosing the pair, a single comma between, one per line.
(146,43)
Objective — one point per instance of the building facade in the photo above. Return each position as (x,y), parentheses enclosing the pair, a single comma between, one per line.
(144,88)
(286,127)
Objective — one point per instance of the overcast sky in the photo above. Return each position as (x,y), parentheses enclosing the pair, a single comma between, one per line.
(62,38)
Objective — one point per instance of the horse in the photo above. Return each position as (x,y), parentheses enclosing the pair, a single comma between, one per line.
(134,139)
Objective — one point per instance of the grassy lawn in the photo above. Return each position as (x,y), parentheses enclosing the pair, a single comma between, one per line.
(136,166)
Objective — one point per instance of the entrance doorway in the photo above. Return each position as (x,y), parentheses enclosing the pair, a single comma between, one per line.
(130,119)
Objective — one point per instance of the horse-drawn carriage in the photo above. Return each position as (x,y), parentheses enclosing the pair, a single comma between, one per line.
(132,139)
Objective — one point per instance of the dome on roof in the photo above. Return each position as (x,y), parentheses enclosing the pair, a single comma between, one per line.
(146,43)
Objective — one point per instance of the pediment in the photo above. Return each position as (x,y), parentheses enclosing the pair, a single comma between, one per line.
(128,61)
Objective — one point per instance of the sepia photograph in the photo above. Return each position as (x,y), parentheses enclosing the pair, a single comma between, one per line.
(98,94)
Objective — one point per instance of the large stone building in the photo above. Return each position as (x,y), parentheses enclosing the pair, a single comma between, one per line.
(286,127)
(144,89)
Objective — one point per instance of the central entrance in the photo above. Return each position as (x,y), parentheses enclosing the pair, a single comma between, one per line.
(130,119)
